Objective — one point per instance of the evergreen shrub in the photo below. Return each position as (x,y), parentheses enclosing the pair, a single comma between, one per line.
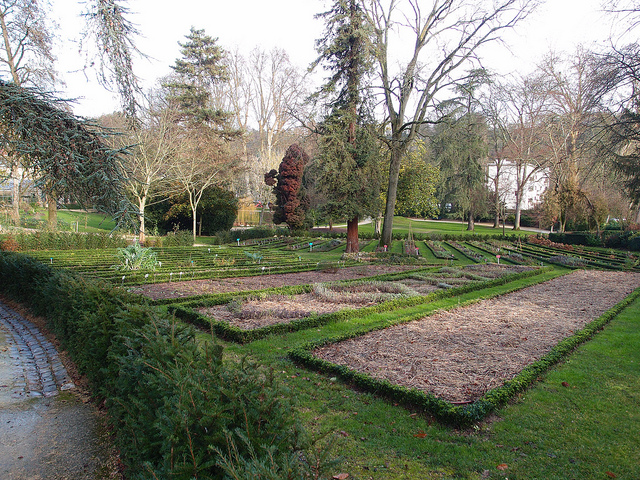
(177,410)
(43,240)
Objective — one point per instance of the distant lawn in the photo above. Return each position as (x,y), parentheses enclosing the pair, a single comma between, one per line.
(401,226)
(87,222)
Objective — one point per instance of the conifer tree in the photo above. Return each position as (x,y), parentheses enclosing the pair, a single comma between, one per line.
(350,173)
(291,202)
(204,159)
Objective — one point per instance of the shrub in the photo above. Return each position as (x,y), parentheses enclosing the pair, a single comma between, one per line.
(175,407)
(65,241)
(180,238)
(136,257)
(576,238)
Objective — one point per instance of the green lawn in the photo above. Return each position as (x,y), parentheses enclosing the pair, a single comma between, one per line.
(585,428)
(87,222)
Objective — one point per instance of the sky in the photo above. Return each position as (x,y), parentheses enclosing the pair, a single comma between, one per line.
(289,24)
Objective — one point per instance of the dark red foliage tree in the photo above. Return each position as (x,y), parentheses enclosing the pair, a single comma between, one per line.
(291,202)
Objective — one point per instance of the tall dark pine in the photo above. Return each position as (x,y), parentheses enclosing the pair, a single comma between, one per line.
(349,175)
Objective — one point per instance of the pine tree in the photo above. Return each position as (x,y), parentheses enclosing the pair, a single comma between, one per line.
(350,173)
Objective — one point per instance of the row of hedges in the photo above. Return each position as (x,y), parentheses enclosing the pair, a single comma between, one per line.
(627,239)
(447,412)
(177,410)
(14,242)
(231,332)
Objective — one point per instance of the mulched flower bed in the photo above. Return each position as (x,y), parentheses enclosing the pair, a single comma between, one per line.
(159,291)
(461,354)
(252,313)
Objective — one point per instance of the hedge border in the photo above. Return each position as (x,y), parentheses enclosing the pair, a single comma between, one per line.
(447,412)
(229,332)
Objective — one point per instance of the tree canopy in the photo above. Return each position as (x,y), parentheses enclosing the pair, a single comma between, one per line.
(64,153)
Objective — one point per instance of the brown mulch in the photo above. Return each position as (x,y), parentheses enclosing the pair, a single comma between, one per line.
(270,311)
(252,313)
(158,291)
(461,354)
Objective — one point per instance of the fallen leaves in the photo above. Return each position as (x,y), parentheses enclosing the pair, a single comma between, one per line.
(420,434)
(565,384)
(502,466)
(611,474)
(341,476)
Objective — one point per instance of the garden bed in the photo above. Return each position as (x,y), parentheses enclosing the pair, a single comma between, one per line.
(237,284)
(461,354)
(261,311)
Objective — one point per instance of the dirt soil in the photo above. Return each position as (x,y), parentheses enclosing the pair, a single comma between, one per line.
(461,354)
(158,291)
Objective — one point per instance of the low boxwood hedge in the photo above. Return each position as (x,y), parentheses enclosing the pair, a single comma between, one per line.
(444,411)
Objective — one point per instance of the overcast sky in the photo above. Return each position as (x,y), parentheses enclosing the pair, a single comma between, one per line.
(290,25)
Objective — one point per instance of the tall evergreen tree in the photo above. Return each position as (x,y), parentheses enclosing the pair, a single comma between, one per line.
(350,173)
(462,147)
(204,159)
(291,201)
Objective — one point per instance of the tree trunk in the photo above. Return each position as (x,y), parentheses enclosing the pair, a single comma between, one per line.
(638,215)
(15,204)
(141,207)
(378,225)
(52,211)
(193,210)
(470,221)
(353,244)
(392,192)
(516,222)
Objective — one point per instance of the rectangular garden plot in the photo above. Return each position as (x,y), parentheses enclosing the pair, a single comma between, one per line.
(324,298)
(457,357)
(248,316)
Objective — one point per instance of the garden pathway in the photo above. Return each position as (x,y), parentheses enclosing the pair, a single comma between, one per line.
(46,430)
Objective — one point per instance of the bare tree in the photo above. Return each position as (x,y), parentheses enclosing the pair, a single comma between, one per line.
(523,124)
(574,100)
(153,147)
(445,36)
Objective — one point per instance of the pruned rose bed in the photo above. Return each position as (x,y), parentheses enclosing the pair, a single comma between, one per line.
(461,354)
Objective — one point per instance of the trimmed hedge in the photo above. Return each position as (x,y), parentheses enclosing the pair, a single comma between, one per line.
(230,332)
(444,411)
(59,241)
(177,410)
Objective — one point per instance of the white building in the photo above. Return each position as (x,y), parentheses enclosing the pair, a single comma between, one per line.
(534,188)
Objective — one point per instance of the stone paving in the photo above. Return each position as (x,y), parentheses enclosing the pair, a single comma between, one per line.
(36,361)
(48,431)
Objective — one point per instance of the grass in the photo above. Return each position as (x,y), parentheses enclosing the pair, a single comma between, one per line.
(87,222)
(586,429)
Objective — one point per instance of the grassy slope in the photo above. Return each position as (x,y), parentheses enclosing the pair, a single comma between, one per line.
(581,431)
